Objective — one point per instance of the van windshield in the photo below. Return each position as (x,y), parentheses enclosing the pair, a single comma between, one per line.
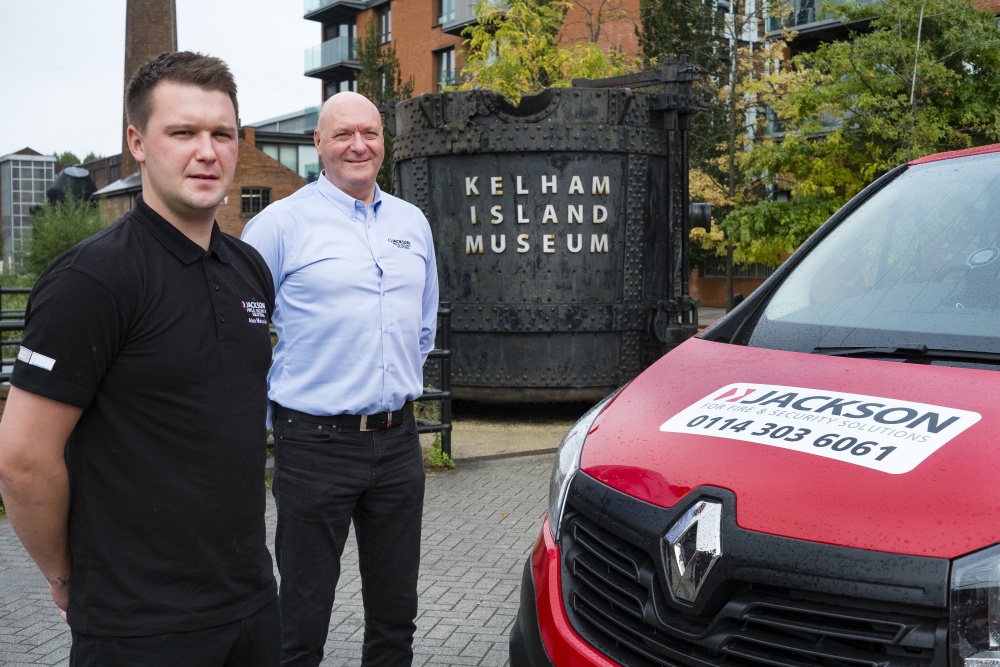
(916,265)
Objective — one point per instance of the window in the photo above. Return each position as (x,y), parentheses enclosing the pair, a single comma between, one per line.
(444,66)
(339,42)
(331,88)
(385,22)
(446,11)
(254,200)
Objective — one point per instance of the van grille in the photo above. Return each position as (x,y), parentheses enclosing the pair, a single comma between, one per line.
(615,599)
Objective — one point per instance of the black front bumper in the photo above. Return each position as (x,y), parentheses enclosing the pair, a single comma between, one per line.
(526,648)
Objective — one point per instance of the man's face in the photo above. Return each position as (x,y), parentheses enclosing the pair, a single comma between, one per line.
(189,151)
(350,144)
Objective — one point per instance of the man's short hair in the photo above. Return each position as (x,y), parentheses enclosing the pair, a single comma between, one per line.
(196,69)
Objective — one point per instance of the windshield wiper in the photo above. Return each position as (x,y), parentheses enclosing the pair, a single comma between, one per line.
(915,354)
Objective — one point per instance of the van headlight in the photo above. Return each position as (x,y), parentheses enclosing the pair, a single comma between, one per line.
(568,462)
(975,610)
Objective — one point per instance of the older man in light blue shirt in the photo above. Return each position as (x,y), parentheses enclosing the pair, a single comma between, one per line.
(355,311)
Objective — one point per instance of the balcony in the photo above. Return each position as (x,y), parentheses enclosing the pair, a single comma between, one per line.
(456,15)
(807,16)
(331,58)
(332,11)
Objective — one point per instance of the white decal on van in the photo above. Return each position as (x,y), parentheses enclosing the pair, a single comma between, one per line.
(883,434)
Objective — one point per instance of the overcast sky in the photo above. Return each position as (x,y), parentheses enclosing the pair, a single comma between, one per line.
(62,66)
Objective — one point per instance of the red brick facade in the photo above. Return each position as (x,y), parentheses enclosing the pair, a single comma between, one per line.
(712,291)
(417,37)
(254,170)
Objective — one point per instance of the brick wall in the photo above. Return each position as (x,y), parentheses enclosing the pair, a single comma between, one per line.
(615,19)
(255,169)
(150,29)
(712,291)
(416,36)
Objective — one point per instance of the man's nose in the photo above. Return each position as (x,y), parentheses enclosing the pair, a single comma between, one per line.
(358,141)
(205,147)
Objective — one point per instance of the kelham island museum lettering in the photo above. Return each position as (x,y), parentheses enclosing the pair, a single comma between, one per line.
(577,220)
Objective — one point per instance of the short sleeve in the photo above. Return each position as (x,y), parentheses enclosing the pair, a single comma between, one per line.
(74,327)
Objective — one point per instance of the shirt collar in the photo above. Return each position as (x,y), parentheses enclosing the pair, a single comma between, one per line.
(341,199)
(171,238)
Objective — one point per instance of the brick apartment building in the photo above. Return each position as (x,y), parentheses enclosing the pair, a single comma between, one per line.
(427,36)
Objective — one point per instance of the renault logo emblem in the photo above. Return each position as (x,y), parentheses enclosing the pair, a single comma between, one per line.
(691,548)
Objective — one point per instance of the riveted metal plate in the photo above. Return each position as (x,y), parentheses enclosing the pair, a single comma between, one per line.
(558,225)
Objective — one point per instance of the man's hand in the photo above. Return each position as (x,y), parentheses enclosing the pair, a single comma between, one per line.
(59,590)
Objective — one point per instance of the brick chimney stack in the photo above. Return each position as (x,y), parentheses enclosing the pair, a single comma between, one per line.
(150,29)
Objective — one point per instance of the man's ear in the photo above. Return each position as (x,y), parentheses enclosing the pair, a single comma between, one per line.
(136,144)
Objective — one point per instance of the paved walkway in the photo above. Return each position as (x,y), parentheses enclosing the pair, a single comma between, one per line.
(480,522)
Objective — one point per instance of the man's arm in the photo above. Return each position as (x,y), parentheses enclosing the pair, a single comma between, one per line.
(429,300)
(35,483)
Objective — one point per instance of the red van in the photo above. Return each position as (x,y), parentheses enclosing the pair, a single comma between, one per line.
(814,481)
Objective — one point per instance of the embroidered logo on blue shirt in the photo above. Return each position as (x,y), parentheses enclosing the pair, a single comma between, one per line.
(405,245)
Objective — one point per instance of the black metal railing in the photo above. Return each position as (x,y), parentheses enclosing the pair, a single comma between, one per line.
(442,353)
(13,320)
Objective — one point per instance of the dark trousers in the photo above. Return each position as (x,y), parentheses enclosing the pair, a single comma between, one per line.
(252,642)
(325,477)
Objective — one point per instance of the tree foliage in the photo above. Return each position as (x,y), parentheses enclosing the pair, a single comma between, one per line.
(58,227)
(381,81)
(698,30)
(66,158)
(921,79)
(69,158)
(514,49)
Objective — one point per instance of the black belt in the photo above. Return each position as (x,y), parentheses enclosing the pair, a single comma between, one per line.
(375,422)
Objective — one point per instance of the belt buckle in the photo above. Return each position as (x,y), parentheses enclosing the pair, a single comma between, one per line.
(364,422)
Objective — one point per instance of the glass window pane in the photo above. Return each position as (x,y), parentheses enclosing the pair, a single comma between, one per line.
(289,156)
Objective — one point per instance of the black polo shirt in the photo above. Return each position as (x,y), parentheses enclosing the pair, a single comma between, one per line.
(166,347)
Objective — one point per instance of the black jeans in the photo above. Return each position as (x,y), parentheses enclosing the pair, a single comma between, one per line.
(251,642)
(325,477)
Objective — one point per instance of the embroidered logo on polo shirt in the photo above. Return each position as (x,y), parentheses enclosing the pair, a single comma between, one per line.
(405,245)
(256,310)
(35,359)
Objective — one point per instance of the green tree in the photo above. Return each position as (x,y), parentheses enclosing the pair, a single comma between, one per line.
(58,227)
(723,40)
(66,159)
(514,49)
(697,30)
(921,79)
(381,82)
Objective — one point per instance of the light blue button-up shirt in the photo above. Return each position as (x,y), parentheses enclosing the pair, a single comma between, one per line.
(356,299)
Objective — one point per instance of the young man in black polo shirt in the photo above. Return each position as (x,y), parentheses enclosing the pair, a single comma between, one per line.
(131,448)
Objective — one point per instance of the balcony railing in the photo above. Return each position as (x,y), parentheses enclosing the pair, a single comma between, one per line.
(456,14)
(316,5)
(337,51)
(806,13)
(333,11)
